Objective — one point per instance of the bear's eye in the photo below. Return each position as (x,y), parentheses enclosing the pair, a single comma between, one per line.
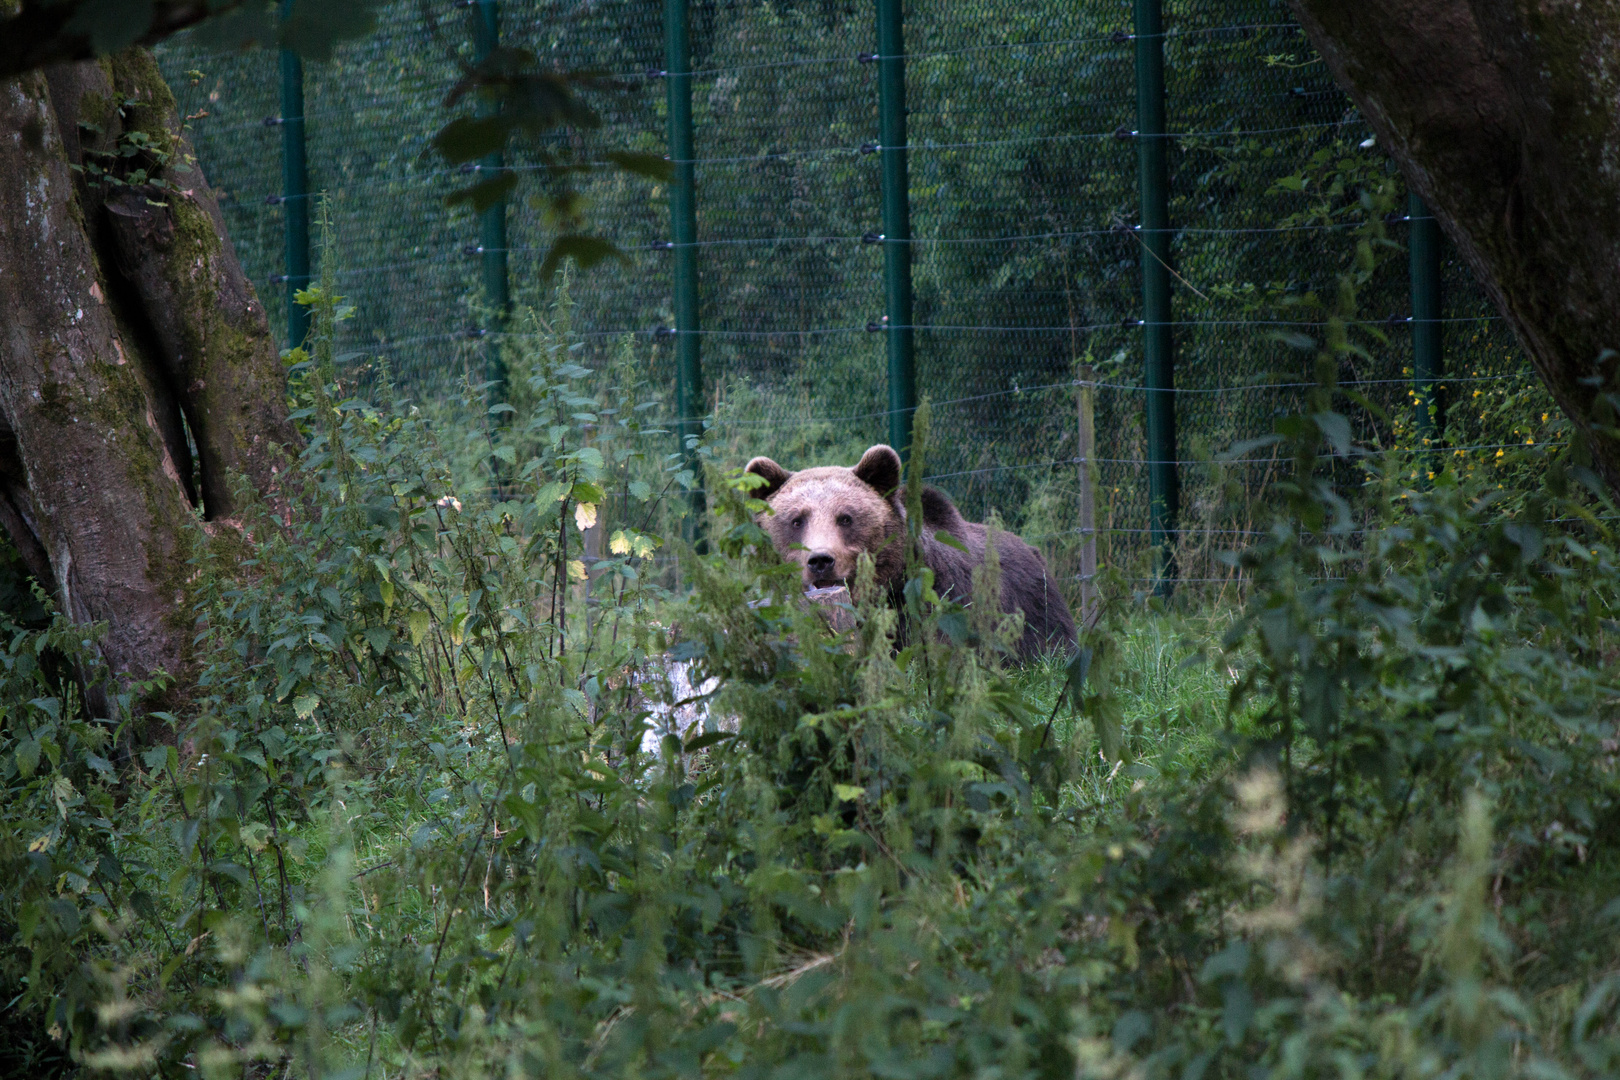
(844,520)
(798,523)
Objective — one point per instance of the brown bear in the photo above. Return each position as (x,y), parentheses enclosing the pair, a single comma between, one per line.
(825,518)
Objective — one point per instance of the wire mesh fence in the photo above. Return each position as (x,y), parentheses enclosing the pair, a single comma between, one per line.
(1027,250)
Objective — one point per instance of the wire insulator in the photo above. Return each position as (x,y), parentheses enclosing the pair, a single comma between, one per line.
(865,57)
(271,121)
(870,148)
(1124,131)
(272,200)
(872,238)
(1120,37)
(663,245)
(660,332)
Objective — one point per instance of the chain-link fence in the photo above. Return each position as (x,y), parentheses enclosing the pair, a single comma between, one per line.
(1025,202)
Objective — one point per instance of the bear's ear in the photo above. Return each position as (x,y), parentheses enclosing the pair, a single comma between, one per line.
(879,468)
(940,513)
(772,473)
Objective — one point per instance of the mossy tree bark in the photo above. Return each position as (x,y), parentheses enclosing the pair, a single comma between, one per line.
(137,371)
(1504,115)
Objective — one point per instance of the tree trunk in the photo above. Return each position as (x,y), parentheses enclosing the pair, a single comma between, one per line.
(1504,116)
(137,371)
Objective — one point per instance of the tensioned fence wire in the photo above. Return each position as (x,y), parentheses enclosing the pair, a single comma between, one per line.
(1025,214)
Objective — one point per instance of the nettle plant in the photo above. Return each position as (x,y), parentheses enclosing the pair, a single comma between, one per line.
(405,823)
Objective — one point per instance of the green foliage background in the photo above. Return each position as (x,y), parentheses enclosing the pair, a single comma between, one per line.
(1023,195)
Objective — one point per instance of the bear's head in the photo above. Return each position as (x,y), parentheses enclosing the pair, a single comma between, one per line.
(824,518)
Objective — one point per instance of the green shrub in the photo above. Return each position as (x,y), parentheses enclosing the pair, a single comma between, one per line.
(406,825)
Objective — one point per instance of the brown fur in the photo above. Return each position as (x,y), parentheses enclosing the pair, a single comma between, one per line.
(823,519)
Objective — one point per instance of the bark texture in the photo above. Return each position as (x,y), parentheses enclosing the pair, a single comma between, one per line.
(126,325)
(1504,116)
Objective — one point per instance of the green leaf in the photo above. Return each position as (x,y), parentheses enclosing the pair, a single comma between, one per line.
(1246,447)
(313,30)
(849,792)
(484,195)
(708,738)
(585,492)
(1294,339)
(652,166)
(419,623)
(378,637)
(950,541)
(27,756)
(469,138)
(1107,719)
(586,251)
(28,920)
(304,705)
(589,458)
(1335,428)
(1074,683)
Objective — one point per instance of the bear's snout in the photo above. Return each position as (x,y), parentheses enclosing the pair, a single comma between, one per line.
(821,565)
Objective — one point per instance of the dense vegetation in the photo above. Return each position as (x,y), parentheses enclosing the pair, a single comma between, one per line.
(420,811)
(409,819)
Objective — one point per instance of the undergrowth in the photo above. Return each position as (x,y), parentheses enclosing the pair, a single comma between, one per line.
(410,824)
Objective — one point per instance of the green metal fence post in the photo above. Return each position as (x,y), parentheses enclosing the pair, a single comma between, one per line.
(294,188)
(1428,362)
(1158,360)
(683,229)
(492,223)
(896,221)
